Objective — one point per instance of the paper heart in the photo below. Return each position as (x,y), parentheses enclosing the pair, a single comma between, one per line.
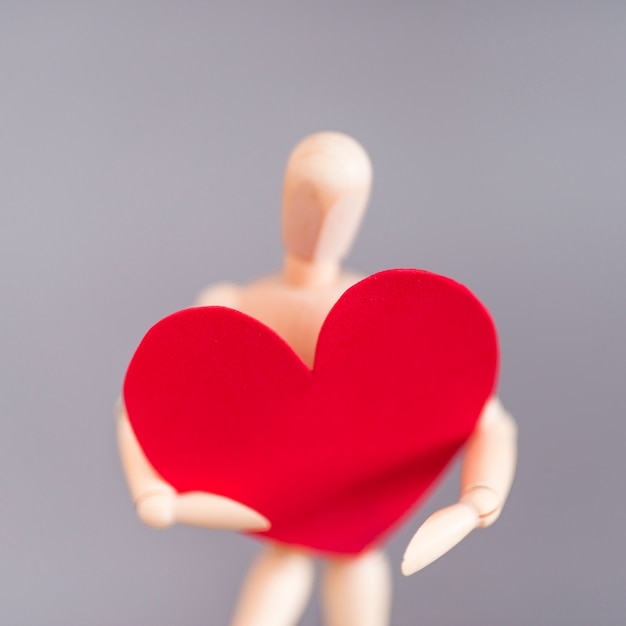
(336,456)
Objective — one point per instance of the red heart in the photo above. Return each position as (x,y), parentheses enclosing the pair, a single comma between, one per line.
(333,457)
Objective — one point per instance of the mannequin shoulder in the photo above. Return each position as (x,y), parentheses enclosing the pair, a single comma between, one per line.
(220,294)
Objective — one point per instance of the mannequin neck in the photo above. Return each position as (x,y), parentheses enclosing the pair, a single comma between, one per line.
(301,272)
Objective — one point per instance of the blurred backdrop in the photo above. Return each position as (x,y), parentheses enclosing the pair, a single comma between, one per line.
(142,146)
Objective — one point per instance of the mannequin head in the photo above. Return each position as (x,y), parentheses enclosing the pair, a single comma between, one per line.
(326,189)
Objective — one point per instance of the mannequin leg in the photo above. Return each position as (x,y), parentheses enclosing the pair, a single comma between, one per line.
(357,591)
(276,590)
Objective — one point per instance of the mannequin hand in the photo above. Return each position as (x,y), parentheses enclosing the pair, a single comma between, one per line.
(209,510)
(479,507)
(161,507)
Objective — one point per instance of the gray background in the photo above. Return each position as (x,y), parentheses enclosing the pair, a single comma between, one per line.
(142,146)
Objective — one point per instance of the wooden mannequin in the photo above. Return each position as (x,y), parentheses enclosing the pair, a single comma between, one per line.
(326,189)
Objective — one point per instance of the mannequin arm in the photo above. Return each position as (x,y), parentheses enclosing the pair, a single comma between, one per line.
(486,477)
(159,505)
